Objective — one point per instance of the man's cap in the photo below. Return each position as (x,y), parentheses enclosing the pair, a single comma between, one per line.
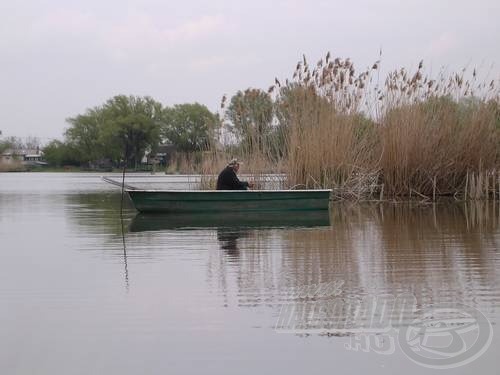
(234,162)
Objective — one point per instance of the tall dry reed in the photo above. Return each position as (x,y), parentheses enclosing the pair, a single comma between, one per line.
(15,166)
(410,135)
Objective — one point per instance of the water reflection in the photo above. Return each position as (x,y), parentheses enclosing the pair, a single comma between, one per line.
(98,216)
(99,212)
(125,263)
(438,253)
(155,222)
(72,296)
(228,240)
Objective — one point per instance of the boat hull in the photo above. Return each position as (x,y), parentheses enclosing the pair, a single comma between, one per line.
(229,200)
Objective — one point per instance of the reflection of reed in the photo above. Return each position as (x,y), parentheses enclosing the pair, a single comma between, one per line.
(439,253)
(243,263)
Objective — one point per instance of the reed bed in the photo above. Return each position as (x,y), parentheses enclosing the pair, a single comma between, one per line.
(407,135)
(15,166)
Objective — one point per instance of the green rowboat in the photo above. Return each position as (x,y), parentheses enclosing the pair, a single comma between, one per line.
(209,201)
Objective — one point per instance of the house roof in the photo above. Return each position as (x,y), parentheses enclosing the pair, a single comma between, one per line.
(22,152)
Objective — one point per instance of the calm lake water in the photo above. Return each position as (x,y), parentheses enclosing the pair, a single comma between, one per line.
(83,292)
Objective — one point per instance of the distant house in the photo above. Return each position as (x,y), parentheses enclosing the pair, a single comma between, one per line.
(161,156)
(30,157)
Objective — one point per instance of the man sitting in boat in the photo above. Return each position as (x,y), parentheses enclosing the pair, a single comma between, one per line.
(228,180)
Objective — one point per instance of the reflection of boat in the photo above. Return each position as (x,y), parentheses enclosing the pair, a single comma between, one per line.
(146,222)
(229,200)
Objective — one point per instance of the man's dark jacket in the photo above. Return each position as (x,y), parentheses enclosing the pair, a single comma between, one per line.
(228,180)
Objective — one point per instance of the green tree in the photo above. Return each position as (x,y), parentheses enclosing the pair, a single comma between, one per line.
(251,114)
(84,135)
(124,126)
(58,154)
(131,125)
(4,145)
(190,127)
(14,143)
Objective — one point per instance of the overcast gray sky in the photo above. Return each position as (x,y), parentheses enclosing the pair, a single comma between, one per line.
(58,58)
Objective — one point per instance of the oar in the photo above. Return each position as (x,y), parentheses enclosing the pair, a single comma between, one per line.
(116,183)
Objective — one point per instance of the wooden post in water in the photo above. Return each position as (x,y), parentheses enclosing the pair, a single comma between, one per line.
(125,159)
(121,217)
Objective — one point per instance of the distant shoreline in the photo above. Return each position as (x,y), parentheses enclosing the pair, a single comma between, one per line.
(84,170)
